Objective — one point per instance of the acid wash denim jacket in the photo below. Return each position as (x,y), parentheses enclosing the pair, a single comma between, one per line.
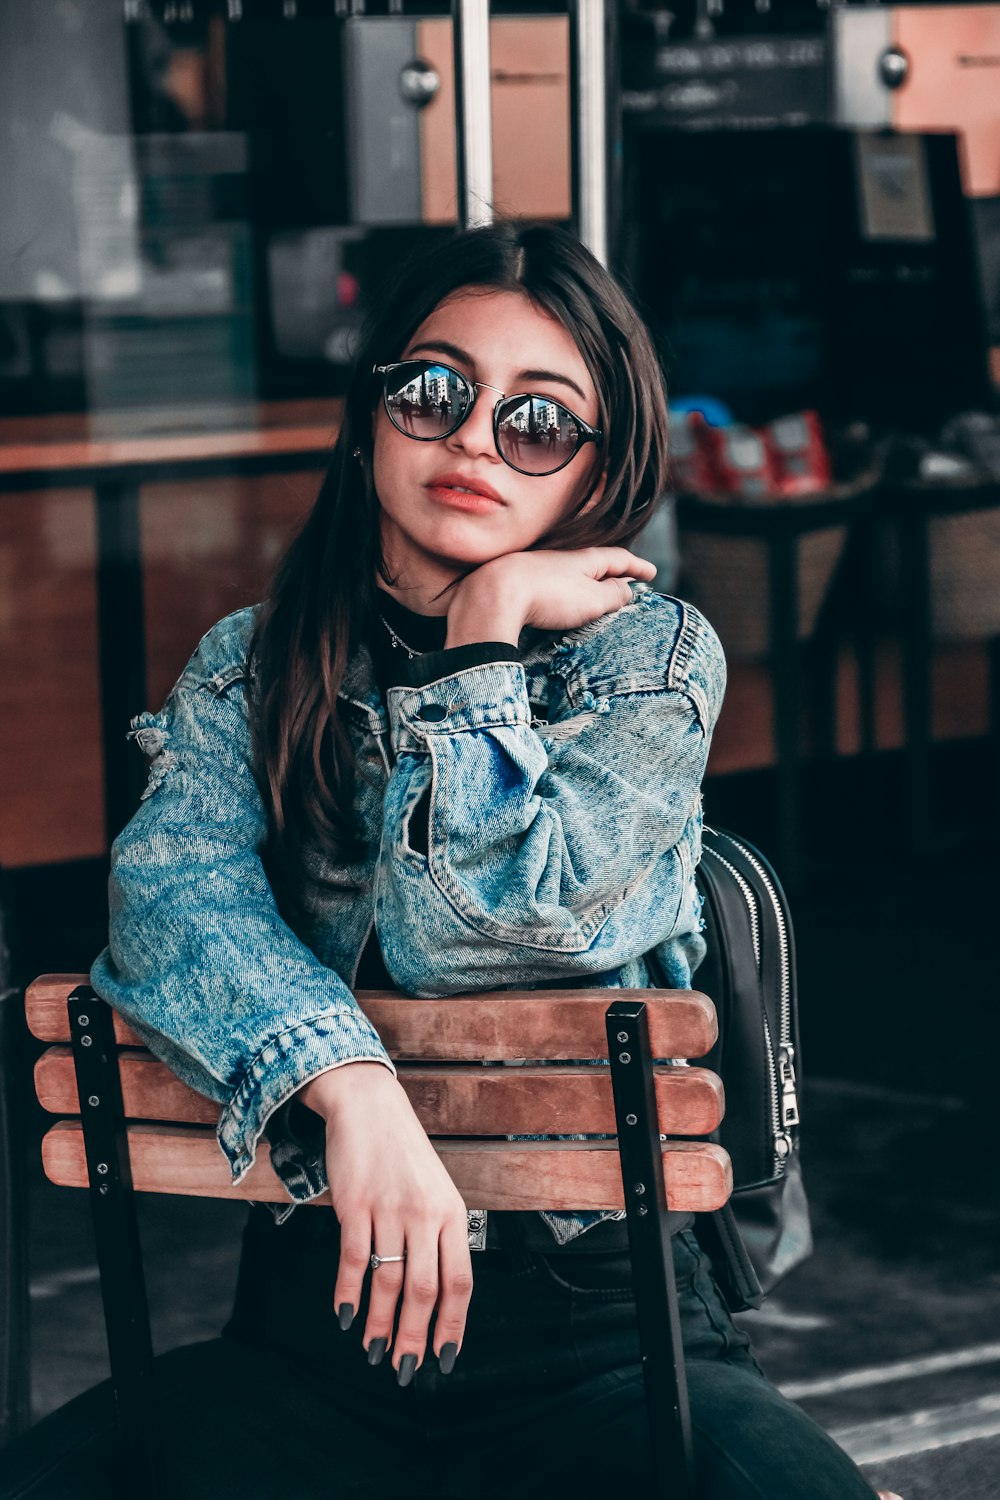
(562,846)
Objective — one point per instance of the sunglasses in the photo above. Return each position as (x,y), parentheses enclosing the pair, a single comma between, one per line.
(427,400)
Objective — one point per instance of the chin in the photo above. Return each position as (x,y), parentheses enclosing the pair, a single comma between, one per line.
(468,557)
(457,546)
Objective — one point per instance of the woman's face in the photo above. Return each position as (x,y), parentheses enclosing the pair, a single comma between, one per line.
(503,339)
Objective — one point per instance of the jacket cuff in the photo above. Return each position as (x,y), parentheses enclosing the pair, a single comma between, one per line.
(278,1071)
(490,696)
(434,664)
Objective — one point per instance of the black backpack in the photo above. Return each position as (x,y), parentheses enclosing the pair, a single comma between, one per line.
(749,973)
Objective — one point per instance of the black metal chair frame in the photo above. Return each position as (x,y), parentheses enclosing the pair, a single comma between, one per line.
(15,1365)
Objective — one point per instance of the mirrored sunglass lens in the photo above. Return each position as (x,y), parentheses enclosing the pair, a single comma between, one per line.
(537,435)
(426,400)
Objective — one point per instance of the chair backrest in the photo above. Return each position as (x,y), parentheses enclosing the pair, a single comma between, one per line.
(439,1046)
(624,1135)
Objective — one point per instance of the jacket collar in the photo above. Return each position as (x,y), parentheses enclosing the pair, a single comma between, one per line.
(360,689)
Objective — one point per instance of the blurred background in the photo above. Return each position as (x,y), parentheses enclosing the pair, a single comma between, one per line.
(804,200)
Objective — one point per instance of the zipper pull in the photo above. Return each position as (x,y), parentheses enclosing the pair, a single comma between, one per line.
(786,1073)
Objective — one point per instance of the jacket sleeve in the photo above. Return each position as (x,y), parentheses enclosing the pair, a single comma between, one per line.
(199,959)
(553,851)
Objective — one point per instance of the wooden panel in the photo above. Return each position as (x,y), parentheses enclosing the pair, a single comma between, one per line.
(54,445)
(943,92)
(320,414)
(459,1100)
(529,62)
(744,738)
(208,549)
(50,762)
(496,1024)
(581,1175)
(529,67)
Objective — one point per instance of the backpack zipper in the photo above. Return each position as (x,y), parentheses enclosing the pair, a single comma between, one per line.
(780,1066)
(748,897)
(786,1049)
(782,1140)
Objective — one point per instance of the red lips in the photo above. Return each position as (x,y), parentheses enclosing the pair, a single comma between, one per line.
(453,481)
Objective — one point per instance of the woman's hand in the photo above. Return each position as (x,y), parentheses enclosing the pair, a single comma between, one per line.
(391,1192)
(550,589)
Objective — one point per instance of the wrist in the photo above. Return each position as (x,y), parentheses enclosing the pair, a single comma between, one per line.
(484,610)
(328,1093)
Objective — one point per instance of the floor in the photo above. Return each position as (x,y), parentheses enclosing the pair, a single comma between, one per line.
(890,1334)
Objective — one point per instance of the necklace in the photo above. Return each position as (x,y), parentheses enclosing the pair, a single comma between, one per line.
(396,641)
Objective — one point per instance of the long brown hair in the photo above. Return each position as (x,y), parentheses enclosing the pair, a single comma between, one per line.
(323,599)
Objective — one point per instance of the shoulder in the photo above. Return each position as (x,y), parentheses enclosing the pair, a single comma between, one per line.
(656,643)
(222,655)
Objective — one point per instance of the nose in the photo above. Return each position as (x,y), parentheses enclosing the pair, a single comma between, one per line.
(475,436)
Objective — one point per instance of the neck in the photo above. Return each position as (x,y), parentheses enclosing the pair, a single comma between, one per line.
(422,581)
(416,597)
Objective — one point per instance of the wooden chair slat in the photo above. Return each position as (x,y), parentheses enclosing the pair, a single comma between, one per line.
(458,1100)
(149,1090)
(580,1175)
(488,1024)
(45,1009)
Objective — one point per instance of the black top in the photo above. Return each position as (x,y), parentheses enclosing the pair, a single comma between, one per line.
(394,667)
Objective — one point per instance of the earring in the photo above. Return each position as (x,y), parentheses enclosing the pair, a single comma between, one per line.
(357,454)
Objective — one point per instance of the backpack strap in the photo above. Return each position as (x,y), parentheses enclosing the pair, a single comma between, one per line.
(719,1236)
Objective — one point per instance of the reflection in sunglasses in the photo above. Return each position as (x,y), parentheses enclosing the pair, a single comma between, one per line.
(534,434)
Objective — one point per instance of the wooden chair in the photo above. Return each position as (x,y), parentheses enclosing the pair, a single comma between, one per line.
(142,1129)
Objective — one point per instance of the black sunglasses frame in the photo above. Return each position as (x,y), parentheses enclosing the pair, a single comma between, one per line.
(585,433)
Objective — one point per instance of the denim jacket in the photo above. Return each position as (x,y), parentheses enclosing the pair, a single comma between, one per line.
(561,848)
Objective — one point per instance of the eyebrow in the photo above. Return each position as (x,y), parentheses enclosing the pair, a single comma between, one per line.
(456,353)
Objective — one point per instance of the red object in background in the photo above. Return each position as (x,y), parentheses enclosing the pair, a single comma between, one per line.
(787,457)
(799,454)
(692,467)
(348,289)
(743,462)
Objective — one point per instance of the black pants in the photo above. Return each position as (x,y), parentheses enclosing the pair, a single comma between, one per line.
(545,1399)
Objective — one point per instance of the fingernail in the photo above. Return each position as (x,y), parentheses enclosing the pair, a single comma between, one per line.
(376,1349)
(447,1357)
(346,1314)
(407,1365)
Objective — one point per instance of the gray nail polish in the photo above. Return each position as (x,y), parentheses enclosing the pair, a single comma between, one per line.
(407,1365)
(447,1357)
(376,1349)
(346,1314)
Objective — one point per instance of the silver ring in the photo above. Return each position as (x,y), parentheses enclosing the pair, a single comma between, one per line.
(379,1260)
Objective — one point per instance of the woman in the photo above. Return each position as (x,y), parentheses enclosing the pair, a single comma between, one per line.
(459,748)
